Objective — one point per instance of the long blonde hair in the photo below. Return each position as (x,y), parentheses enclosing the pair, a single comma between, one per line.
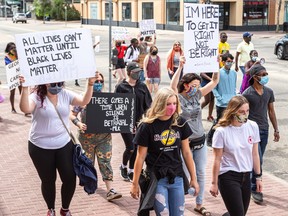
(233,106)
(158,106)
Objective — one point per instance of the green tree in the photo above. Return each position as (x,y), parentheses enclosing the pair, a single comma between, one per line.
(42,8)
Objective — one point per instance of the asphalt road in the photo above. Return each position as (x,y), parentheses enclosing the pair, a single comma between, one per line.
(276,156)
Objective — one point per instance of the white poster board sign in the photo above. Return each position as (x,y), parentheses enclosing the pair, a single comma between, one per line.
(97,41)
(201,37)
(12,74)
(120,34)
(147,27)
(54,56)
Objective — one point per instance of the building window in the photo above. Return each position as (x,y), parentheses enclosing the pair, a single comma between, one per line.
(173,12)
(93,11)
(286,12)
(107,11)
(255,12)
(126,11)
(147,10)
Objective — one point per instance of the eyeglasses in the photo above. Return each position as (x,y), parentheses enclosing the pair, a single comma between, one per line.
(177,45)
(60,84)
(99,81)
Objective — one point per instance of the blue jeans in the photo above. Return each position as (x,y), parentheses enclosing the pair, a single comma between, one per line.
(261,149)
(169,198)
(200,160)
(142,77)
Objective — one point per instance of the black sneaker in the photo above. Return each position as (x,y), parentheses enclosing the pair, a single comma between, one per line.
(130,176)
(257,197)
(112,195)
(123,173)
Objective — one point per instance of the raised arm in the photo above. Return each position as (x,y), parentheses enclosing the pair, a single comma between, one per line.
(211,85)
(26,105)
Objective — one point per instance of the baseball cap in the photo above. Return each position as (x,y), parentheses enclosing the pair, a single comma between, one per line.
(134,67)
(247,34)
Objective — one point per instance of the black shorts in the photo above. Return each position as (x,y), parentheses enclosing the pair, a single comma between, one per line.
(120,63)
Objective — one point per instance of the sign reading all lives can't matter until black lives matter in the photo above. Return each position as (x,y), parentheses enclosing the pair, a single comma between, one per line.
(111,113)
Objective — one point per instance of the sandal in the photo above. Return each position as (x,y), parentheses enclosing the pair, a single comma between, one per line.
(203,211)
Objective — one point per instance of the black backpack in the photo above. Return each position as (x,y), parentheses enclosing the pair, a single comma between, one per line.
(114,57)
(131,53)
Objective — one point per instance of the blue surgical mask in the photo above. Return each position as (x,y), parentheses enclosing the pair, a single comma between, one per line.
(264,80)
(54,90)
(97,87)
(192,91)
(228,64)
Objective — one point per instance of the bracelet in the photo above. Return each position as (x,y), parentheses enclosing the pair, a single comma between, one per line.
(75,121)
(276,131)
(258,175)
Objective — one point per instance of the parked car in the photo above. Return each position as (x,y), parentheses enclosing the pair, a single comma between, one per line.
(281,47)
(19,17)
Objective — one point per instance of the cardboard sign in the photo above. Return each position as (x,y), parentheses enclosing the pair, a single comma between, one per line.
(12,74)
(120,34)
(111,113)
(54,56)
(147,27)
(201,37)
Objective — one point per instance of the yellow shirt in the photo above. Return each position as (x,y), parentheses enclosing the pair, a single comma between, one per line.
(222,49)
(244,49)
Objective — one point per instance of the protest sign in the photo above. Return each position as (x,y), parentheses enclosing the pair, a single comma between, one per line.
(111,113)
(54,56)
(12,74)
(147,27)
(201,30)
(120,34)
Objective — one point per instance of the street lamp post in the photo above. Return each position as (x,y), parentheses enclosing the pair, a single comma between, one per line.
(5,9)
(110,47)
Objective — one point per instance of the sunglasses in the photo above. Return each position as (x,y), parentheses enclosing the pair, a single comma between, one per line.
(99,81)
(60,84)
(224,37)
(177,45)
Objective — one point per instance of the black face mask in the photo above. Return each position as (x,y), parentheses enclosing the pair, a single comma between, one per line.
(154,52)
(118,44)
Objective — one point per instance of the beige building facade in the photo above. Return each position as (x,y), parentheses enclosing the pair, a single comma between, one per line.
(237,15)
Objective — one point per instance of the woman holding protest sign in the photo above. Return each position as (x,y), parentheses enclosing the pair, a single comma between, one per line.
(190,93)
(11,55)
(96,144)
(49,145)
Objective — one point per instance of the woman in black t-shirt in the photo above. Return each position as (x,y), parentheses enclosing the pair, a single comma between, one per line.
(164,130)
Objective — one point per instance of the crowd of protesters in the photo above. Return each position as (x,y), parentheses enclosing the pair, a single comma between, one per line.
(168,133)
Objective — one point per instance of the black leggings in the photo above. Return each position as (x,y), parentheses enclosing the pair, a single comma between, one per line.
(130,152)
(235,189)
(46,162)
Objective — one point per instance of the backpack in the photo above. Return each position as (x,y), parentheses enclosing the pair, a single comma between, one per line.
(131,53)
(114,57)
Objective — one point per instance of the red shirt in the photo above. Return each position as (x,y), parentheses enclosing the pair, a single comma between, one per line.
(121,50)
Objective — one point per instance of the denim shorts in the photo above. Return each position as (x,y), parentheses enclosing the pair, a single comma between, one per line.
(154,80)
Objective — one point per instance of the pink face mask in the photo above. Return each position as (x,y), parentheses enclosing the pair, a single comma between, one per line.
(170,109)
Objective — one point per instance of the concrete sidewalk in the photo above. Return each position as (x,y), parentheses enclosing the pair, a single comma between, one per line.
(20,192)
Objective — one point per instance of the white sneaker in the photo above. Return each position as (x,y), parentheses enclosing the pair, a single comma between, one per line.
(112,194)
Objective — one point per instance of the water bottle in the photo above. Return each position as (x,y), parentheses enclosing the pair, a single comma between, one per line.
(191,191)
